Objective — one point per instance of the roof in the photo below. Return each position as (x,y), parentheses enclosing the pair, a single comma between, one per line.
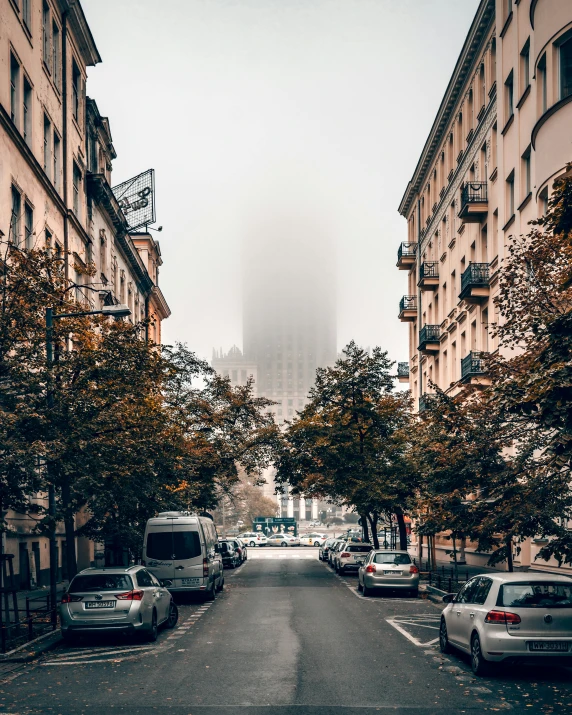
(482,21)
(81,32)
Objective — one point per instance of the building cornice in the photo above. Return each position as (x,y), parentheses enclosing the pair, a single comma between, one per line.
(81,32)
(484,19)
(160,303)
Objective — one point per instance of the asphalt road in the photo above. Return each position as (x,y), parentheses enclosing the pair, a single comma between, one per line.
(287,637)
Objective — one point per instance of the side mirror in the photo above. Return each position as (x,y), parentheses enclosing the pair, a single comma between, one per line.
(166,583)
(449,597)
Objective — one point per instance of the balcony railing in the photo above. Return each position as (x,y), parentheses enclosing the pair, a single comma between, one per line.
(429,336)
(474,200)
(429,269)
(403,370)
(406,255)
(424,402)
(475,282)
(474,364)
(408,308)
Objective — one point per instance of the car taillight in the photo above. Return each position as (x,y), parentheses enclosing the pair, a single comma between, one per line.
(68,598)
(345,555)
(205,568)
(413,569)
(502,617)
(130,596)
(371,569)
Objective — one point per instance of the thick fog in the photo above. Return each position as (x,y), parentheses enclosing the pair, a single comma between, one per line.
(283,134)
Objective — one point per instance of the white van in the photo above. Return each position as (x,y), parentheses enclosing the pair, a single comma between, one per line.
(182,551)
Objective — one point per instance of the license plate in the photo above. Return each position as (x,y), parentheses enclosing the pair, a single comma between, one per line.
(100,604)
(190,581)
(392,573)
(560,646)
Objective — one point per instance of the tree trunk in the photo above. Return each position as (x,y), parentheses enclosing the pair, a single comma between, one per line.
(69,524)
(402,530)
(420,550)
(373,521)
(510,563)
(364,526)
(463,546)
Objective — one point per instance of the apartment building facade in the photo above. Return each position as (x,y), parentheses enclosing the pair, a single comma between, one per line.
(502,134)
(56,155)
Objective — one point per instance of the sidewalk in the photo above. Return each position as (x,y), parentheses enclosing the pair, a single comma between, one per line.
(36,593)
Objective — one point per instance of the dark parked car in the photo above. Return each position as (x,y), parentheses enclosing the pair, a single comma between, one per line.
(240,546)
(230,556)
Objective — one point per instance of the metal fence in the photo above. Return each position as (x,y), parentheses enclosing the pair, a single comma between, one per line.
(445,578)
(20,627)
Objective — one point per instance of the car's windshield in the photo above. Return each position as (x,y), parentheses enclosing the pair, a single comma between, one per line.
(392,558)
(177,545)
(536,594)
(359,548)
(101,582)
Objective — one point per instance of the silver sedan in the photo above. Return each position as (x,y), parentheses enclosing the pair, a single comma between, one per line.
(116,599)
(390,570)
(511,617)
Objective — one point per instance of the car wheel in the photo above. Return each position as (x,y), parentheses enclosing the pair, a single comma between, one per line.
(479,665)
(252,543)
(316,543)
(283,544)
(359,586)
(366,591)
(414,592)
(341,570)
(211,595)
(444,645)
(68,637)
(152,634)
(173,616)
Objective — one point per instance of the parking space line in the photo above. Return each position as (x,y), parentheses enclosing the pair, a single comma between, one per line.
(398,622)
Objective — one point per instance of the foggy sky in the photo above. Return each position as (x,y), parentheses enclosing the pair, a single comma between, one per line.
(251,111)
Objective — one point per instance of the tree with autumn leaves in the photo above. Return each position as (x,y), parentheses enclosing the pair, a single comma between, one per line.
(350,443)
(133,428)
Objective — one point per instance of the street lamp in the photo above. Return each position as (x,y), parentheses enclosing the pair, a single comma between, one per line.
(116,311)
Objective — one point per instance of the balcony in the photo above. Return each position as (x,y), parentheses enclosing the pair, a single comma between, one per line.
(408,308)
(473,365)
(474,201)
(406,256)
(424,402)
(475,283)
(429,275)
(403,371)
(429,339)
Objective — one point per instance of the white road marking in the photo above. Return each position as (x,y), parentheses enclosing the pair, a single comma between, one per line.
(418,622)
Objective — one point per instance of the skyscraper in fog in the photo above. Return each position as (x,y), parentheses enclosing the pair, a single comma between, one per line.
(289,320)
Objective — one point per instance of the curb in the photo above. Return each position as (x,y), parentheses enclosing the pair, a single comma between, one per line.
(39,645)
(434,594)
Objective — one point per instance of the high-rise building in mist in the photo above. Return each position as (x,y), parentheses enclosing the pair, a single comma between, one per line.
(289,322)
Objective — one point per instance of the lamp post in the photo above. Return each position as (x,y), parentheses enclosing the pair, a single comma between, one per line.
(116,311)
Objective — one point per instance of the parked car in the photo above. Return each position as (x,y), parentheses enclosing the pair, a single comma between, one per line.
(282,539)
(129,600)
(510,617)
(242,548)
(313,539)
(230,555)
(253,538)
(325,547)
(182,551)
(352,557)
(334,552)
(388,569)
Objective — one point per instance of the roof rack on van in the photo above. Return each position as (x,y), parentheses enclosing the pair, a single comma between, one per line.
(176,514)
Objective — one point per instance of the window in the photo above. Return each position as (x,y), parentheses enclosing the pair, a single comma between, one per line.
(56,62)
(26,14)
(536,594)
(27,108)
(122,286)
(510,195)
(566,68)
(509,96)
(46,54)
(48,238)
(525,66)
(76,80)
(28,225)
(527,186)
(15,90)
(482,590)
(15,220)
(468,591)
(47,146)
(482,85)
(543,84)
(57,161)
(76,186)
(101,582)
(543,201)
(507,8)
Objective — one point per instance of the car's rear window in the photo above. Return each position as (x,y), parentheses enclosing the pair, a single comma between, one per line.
(101,582)
(175,545)
(536,594)
(392,558)
(360,548)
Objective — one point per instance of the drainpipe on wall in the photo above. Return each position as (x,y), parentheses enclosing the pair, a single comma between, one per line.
(419,293)
(65,137)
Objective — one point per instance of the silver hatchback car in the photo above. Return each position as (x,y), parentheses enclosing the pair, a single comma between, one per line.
(388,569)
(510,617)
(129,600)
